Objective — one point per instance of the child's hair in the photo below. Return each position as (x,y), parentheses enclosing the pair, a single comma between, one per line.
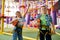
(19,13)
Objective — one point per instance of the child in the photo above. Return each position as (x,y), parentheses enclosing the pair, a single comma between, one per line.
(18,23)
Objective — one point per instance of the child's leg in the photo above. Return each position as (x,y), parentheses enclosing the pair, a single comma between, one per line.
(20,37)
(15,36)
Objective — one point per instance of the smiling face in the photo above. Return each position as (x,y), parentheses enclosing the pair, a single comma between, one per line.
(18,14)
(44,10)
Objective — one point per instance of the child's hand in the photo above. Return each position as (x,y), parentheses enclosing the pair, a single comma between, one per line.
(52,31)
(14,21)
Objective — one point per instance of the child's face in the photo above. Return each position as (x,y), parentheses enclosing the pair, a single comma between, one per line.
(44,10)
(18,14)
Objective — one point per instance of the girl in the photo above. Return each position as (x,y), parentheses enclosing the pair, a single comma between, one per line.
(18,23)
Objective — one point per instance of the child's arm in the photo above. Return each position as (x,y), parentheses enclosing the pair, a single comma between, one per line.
(53,28)
(52,25)
(38,22)
(13,20)
(26,11)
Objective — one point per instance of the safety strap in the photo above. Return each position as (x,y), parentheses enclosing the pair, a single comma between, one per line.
(38,36)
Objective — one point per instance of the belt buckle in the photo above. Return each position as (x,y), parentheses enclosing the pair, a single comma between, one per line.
(43,27)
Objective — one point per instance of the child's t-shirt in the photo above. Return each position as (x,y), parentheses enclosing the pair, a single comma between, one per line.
(21,22)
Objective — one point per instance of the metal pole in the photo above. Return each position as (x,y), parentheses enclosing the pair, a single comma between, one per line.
(2,19)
